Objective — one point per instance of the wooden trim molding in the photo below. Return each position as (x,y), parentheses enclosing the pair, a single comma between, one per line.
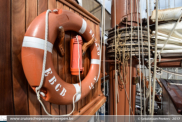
(80,10)
(92,107)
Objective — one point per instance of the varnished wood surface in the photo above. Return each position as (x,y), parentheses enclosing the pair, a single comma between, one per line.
(18,96)
(20,85)
(6,85)
(31,13)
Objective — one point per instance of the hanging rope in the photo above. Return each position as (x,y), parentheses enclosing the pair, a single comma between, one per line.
(45,51)
(149,57)
(43,68)
(115,54)
(139,60)
(44,62)
(174,73)
(155,59)
(168,36)
(131,58)
(139,53)
(102,36)
(177,84)
(171,33)
(142,55)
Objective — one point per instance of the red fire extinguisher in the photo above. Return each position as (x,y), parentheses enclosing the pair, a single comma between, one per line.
(75,45)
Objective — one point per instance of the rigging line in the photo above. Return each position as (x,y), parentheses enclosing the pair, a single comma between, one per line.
(174,3)
(44,61)
(102,39)
(168,3)
(115,53)
(174,73)
(155,61)
(124,74)
(169,35)
(149,57)
(139,54)
(150,5)
(128,98)
(100,52)
(142,48)
(131,58)
(142,58)
(103,30)
(177,84)
(125,91)
(43,68)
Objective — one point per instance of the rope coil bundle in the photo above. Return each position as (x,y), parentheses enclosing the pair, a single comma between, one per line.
(124,34)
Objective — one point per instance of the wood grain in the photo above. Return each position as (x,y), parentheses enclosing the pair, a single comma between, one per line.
(52,4)
(54,107)
(43,6)
(79,103)
(31,13)
(22,99)
(93,109)
(19,80)
(67,60)
(73,77)
(61,68)
(80,10)
(6,91)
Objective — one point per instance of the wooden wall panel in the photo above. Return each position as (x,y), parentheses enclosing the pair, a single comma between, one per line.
(74,79)
(67,60)
(54,108)
(6,86)
(23,99)
(19,80)
(43,6)
(31,13)
(78,105)
(87,66)
(52,4)
(61,68)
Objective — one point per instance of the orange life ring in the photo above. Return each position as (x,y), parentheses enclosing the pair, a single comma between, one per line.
(54,89)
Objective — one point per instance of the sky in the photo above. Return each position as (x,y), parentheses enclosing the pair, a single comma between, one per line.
(163,4)
(107,4)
